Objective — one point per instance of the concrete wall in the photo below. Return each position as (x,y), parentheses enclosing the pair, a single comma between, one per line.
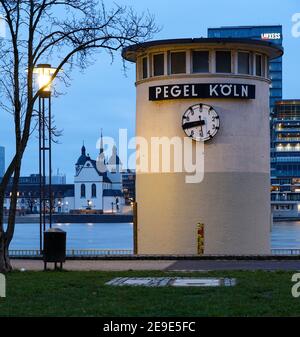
(233,200)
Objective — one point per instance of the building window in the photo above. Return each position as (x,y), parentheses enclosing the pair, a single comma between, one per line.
(276,92)
(275,66)
(276,84)
(94,191)
(159,64)
(82,191)
(178,63)
(267,67)
(223,61)
(200,61)
(276,76)
(243,63)
(145,67)
(258,65)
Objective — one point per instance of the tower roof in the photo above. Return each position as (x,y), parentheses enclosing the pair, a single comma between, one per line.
(131,52)
(83,158)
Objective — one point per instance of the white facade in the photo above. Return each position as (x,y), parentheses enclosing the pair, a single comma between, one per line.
(97,184)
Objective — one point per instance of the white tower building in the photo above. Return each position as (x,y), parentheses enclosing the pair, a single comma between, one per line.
(214,91)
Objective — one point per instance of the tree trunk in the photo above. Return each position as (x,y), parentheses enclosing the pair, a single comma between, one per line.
(6,236)
(4,260)
(5,265)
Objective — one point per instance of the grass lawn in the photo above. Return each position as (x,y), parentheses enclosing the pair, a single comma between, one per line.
(85,294)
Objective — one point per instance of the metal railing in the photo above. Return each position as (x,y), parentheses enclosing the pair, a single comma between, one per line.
(72,252)
(90,253)
(97,252)
(25,253)
(296,129)
(285,251)
(285,159)
(287,139)
(288,149)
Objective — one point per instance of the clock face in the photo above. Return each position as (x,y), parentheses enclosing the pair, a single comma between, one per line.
(200,122)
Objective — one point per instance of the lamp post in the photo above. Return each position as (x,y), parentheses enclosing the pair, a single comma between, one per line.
(44,74)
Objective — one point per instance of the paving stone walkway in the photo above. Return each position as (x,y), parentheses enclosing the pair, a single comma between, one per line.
(179,265)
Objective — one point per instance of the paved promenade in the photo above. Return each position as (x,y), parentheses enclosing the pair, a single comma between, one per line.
(165,265)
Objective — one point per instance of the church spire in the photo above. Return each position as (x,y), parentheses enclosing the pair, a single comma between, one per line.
(83,150)
(101,164)
(101,143)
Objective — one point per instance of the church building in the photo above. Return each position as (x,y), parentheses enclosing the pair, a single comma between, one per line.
(98,183)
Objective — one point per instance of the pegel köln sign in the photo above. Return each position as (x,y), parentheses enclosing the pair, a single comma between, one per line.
(202,90)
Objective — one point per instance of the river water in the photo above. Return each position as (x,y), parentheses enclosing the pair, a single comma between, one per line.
(119,236)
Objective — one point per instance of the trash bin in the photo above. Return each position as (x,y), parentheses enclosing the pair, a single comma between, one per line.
(54,247)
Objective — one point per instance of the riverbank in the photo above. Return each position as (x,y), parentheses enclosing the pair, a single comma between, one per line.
(77,218)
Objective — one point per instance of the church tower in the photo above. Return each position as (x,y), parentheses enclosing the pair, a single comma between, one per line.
(81,160)
(101,164)
(114,167)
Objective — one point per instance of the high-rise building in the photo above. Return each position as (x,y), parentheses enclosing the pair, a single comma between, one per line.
(2,161)
(128,180)
(280,161)
(266,33)
(285,159)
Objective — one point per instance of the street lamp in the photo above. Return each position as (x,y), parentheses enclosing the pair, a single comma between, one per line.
(90,204)
(43,73)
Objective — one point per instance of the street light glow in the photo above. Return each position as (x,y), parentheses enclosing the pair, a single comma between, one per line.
(44,74)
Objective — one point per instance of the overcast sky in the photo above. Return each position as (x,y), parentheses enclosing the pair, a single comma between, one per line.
(104,98)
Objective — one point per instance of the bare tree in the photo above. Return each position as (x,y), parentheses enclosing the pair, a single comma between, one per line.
(31,202)
(69,32)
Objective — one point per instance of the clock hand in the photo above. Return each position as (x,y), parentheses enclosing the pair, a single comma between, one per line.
(190,125)
(202,123)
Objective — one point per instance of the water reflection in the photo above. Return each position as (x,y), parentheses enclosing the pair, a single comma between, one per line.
(79,236)
(119,235)
(286,234)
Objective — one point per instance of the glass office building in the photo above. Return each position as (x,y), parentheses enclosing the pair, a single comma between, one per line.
(285,159)
(285,125)
(267,33)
